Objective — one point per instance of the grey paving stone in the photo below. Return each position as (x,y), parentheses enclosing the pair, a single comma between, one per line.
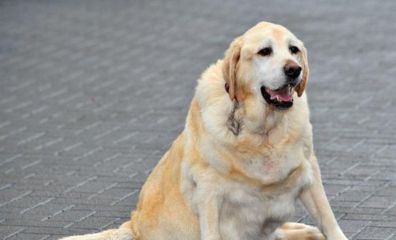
(92,93)
(376,233)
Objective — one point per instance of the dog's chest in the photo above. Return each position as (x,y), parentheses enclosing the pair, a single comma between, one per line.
(273,167)
(248,213)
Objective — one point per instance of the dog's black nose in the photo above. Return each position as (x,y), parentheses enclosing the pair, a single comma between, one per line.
(292,70)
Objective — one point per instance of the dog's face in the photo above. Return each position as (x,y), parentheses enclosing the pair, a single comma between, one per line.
(269,62)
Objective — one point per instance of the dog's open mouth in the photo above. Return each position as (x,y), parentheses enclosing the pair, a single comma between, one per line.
(281,98)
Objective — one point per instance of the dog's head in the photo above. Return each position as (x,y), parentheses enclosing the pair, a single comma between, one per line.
(269,62)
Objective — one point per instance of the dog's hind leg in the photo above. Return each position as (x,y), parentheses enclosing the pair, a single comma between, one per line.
(298,231)
(124,232)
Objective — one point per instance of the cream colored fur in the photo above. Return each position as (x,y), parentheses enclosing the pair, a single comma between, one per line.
(240,164)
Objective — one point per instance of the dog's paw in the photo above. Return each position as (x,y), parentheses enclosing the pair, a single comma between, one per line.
(298,231)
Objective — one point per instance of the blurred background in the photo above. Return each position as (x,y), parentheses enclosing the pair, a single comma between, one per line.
(92,93)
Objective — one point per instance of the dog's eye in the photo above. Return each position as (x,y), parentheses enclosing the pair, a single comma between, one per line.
(294,49)
(265,51)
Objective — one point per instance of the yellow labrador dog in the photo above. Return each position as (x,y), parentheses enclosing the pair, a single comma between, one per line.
(245,155)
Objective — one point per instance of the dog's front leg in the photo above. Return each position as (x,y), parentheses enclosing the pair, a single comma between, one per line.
(208,210)
(315,201)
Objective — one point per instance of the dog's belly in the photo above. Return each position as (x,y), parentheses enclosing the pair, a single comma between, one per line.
(250,214)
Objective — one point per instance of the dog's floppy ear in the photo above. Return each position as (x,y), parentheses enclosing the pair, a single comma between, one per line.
(230,64)
(301,86)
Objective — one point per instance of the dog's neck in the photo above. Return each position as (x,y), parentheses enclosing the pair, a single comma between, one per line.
(237,123)
(235,118)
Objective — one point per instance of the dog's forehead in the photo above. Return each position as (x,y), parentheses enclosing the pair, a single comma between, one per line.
(269,32)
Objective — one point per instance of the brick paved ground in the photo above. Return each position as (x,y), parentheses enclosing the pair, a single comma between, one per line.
(93,92)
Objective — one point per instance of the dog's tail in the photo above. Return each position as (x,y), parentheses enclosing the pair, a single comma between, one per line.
(124,232)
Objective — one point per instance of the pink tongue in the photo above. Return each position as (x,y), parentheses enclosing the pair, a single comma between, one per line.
(280,95)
